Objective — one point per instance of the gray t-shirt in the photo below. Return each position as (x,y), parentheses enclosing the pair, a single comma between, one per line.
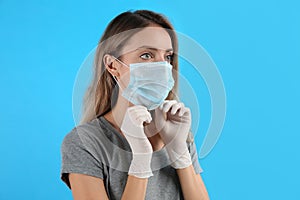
(97,149)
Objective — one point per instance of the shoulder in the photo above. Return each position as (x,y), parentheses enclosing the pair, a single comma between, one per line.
(82,146)
(80,154)
(88,129)
(82,135)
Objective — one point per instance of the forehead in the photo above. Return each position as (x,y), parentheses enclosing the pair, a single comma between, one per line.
(155,37)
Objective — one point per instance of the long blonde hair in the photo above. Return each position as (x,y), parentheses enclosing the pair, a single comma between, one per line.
(100,96)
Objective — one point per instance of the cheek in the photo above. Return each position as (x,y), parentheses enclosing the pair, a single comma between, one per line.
(124,76)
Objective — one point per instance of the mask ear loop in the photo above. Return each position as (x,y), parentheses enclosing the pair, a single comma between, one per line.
(115,76)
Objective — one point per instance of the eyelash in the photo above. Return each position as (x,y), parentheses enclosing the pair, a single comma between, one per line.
(146,54)
(171,57)
(168,57)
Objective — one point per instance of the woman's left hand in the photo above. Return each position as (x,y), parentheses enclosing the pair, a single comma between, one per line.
(173,122)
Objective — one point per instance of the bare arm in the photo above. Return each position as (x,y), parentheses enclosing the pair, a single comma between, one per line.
(86,187)
(135,188)
(191,184)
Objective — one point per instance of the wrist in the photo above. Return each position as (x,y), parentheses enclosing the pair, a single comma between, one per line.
(179,156)
(140,166)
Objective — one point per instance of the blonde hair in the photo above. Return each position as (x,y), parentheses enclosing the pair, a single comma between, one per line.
(101,95)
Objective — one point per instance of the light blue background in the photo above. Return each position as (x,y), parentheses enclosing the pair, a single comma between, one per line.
(255,44)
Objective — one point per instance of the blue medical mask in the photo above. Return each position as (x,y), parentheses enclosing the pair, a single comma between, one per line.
(150,83)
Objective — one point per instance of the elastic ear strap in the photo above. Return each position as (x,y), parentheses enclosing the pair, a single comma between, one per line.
(121,62)
(115,76)
(117,82)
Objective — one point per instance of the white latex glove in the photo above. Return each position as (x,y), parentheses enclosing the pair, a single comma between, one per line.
(173,122)
(133,129)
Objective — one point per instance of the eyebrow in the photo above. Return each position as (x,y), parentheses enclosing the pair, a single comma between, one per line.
(153,48)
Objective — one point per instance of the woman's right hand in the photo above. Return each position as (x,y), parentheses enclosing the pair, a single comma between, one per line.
(133,129)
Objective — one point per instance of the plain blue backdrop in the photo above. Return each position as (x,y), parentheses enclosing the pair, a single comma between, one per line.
(255,44)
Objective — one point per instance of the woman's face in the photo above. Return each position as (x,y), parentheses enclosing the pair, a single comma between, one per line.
(152,44)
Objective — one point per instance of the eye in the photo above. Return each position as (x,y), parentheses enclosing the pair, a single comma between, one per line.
(146,56)
(169,57)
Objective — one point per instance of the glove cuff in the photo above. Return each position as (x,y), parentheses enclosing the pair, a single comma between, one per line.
(141,165)
(180,158)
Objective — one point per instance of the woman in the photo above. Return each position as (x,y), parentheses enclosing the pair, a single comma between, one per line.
(134,140)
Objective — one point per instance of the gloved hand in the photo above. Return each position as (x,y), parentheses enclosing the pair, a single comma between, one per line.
(133,129)
(173,122)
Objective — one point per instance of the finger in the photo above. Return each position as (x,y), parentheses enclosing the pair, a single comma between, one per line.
(168,105)
(143,117)
(149,118)
(138,107)
(164,103)
(135,110)
(184,111)
(140,110)
(181,112)
(176,107)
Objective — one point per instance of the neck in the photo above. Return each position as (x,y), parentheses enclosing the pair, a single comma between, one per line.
(116,115)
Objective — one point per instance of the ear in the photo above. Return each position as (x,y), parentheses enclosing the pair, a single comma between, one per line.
(111,65)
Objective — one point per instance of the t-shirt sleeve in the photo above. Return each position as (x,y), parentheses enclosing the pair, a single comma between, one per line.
(77,159)
(194,156)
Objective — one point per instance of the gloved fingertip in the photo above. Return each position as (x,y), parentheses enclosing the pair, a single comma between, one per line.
(173,112)
(160,107)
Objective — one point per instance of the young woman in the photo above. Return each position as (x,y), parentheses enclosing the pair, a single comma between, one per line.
(134,140)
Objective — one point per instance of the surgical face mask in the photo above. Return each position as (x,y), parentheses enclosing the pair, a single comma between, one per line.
(150,83)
